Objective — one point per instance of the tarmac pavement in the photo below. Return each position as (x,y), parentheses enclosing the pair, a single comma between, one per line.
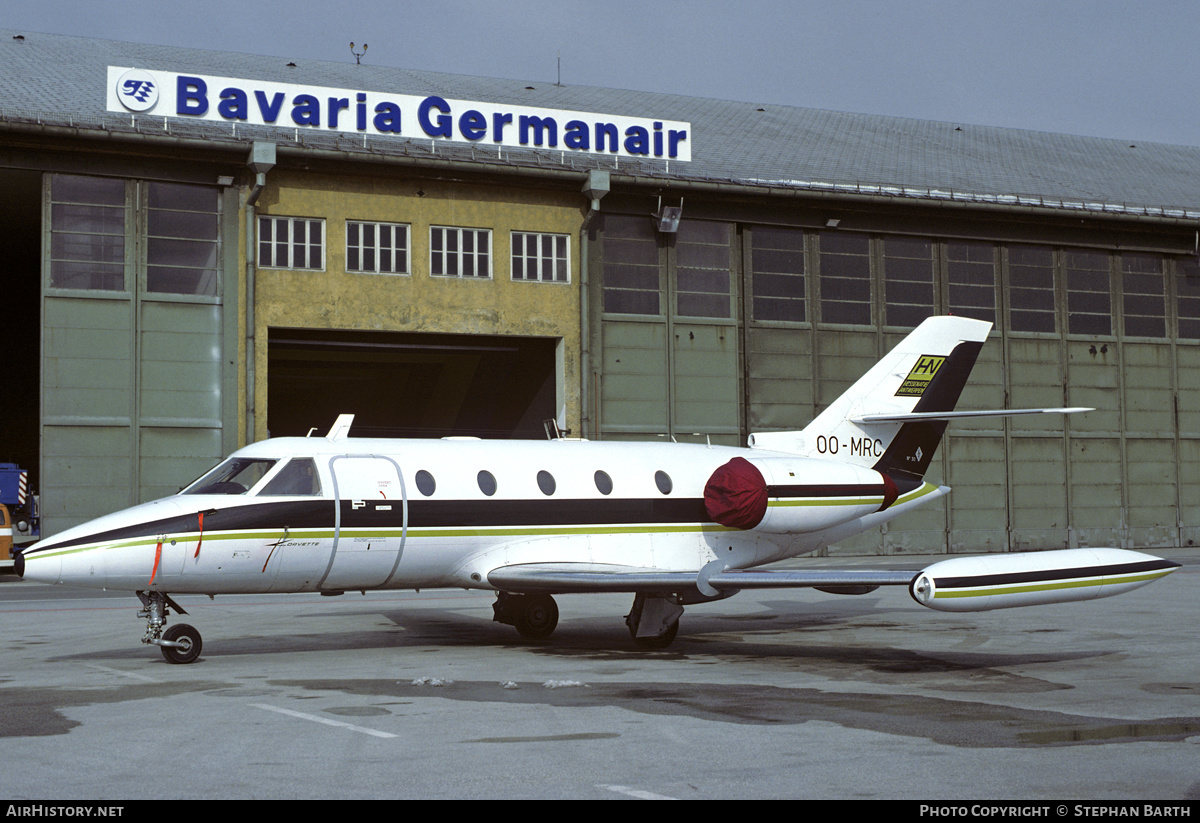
(769,694)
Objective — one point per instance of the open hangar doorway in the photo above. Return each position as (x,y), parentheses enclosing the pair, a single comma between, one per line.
(405,384)
(21,235)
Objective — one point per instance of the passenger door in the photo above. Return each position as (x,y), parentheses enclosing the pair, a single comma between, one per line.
(370,522)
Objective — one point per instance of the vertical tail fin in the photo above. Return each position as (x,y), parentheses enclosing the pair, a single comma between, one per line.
(925,373)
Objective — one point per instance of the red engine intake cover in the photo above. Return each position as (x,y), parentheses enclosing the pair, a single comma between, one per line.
(736,495)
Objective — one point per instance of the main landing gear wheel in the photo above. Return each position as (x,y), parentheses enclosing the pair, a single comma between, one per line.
(188,640)
(661,642)
(650,613)
(534,615)
(537,617)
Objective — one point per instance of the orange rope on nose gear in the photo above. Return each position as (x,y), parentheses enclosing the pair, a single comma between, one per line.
(157,557)
(201,540)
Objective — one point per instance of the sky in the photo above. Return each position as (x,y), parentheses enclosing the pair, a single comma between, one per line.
(1102,68)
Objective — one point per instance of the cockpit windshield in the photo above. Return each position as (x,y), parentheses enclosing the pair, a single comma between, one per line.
(237,475)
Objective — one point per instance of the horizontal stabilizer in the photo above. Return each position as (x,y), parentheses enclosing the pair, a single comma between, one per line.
(954,415)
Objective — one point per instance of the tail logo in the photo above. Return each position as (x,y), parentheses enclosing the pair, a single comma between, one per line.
(922,373)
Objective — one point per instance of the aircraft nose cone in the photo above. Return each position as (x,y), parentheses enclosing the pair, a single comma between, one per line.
(39,568)
(19,564)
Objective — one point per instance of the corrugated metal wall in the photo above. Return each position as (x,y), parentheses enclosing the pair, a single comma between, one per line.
(811,310)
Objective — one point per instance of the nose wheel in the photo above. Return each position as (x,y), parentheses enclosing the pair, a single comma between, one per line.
(186,643)
(180,643)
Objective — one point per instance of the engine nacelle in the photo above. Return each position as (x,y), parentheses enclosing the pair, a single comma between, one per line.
(1000,581)
(794,495)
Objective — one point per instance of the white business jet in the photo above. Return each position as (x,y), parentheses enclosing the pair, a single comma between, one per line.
(673,524)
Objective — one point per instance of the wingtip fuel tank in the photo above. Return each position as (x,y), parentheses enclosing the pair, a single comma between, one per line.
(973,584)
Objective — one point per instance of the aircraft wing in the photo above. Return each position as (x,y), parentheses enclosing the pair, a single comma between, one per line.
(965,583)
(565,578)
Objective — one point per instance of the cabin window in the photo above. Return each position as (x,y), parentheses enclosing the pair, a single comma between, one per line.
(663,481)
(604,483)
(237,475)
(425,483)
(487,483)
(546,482)
(297,478)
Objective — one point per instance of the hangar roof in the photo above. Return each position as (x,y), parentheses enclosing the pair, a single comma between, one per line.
(55,81)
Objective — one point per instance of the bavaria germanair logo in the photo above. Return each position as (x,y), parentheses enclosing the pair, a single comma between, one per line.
(137,90)
(918,379)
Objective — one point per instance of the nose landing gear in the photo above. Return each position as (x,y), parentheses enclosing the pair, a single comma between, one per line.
(180,643)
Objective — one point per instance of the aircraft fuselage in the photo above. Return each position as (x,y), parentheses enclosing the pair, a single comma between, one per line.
(433,513)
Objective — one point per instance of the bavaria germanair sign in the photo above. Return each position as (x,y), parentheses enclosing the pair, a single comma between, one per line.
(374,113)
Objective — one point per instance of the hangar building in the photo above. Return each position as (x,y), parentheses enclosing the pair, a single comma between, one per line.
(205,249)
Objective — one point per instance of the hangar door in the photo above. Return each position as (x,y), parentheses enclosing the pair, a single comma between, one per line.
(134,394)
(402,384)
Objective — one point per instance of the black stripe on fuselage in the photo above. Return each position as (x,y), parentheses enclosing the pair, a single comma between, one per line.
(1047,575)
(423,513)
(315,514)
(831,490)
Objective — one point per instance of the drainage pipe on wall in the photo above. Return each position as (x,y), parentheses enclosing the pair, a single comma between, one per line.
(595,186)
(262,160)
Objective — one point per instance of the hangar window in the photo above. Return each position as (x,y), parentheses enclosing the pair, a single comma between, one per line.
(907,280)
(702,269)
(460,252)
(971,277)
(777,271)
(1187,292)
(1143,298)
(291,243)
(1031,288)
(184,243)
(845,280)
(1089,295)
(87,233)
(377,248)
(541,257)
(631,274)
